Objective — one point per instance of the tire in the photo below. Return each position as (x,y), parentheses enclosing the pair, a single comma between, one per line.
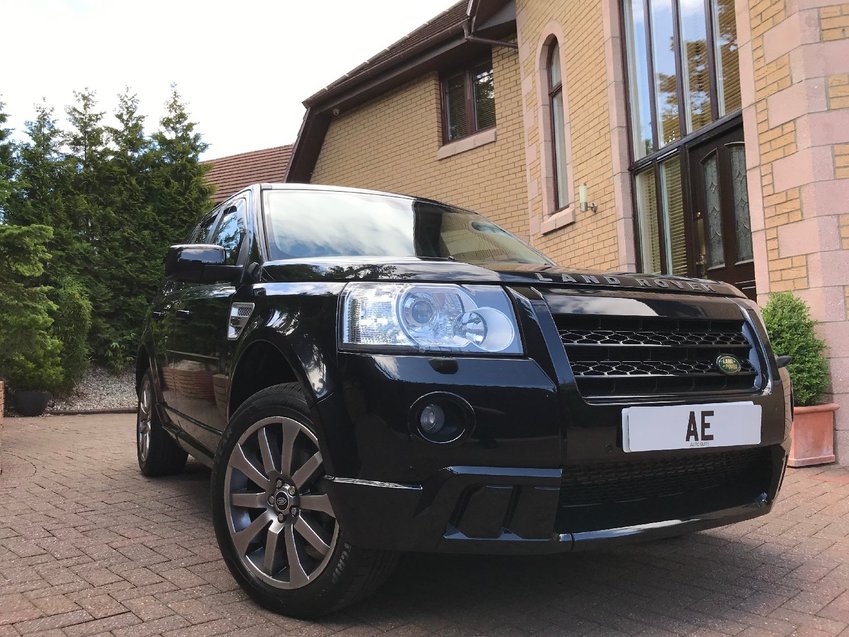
(273,519)
(158,453)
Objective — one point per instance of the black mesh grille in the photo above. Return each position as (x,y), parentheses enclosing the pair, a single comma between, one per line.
(627,481)
(633,356)
(611,495)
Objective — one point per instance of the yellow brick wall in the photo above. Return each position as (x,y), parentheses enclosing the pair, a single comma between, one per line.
(590,242)
(391,143)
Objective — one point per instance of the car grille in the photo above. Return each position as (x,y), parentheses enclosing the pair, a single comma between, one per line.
(627,481)
(609,495)
(633,356)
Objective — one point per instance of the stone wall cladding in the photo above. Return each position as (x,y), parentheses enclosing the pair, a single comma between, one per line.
(795,66)
(591,241)
(391,143)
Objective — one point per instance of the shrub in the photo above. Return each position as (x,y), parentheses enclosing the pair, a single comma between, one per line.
(791,331)
(29,352)
(71,324)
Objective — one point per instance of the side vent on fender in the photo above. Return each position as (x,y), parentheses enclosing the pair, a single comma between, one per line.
(239,315)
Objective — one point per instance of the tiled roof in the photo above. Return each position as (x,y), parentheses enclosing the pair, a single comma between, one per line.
(441,24)
(229,174)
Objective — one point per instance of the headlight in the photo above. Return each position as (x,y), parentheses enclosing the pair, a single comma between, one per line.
(432,318)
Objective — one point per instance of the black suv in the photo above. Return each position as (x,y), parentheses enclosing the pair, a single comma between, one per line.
(369,373)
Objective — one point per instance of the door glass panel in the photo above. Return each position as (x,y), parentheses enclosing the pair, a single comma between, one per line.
(742,224)
(713,215)
(666,81)
(231,232)
(638,70)
(695,69)
(727,67)
(673,206)
(647,213)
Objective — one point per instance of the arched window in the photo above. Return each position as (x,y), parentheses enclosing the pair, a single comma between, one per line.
(558,132)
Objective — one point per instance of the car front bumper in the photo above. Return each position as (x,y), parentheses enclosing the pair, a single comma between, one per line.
(519,511)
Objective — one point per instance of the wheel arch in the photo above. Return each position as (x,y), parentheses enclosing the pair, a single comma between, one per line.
(261,364)
(143,363)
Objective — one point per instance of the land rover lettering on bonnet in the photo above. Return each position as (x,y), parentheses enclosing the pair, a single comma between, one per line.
(369,373)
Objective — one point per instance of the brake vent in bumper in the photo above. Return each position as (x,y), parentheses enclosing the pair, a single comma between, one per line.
(633,356)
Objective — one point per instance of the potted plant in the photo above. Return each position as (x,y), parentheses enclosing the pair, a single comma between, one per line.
(791,331)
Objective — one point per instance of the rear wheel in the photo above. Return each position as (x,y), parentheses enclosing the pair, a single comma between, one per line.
(273,519)
(158,453)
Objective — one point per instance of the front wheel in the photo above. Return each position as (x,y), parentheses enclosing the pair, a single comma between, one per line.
(273,519)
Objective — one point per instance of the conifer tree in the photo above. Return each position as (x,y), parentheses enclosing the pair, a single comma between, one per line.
(179,193)
(7,162)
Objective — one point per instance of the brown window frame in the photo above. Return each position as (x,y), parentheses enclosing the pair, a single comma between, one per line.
(468,74)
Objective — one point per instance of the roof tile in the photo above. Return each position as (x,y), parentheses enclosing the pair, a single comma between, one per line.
(230,174)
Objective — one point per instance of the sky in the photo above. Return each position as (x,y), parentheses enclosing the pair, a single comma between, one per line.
(243,66)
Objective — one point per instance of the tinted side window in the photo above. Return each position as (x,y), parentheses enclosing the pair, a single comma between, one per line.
(231,231)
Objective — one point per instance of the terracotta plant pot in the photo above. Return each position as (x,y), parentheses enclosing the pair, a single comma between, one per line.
(812,435)
(31,403)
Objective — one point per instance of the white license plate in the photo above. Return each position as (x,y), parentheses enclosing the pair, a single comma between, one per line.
(691,426)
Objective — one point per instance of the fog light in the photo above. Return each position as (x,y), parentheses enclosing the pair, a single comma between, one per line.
(432,418)
(441,417)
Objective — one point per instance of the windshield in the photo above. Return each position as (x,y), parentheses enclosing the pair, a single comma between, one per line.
(305,224)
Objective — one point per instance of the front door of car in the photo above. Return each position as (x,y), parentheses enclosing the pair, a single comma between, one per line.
(166,325)
(199,344)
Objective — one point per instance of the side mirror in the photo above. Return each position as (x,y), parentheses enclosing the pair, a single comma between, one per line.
(200,263)
(783,361)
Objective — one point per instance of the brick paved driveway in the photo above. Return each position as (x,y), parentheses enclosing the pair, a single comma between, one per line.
(88,545)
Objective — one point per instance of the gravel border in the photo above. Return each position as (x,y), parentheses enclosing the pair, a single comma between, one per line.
(99,391)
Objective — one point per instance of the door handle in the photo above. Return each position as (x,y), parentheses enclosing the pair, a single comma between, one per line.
(157,316)
(184,314)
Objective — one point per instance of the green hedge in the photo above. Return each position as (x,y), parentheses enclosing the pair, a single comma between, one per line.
(71,324)
(29,351)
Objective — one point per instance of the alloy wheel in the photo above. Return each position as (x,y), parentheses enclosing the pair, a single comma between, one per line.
(144,419)
(279,517)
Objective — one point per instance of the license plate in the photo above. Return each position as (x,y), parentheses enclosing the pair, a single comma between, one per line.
(691,426)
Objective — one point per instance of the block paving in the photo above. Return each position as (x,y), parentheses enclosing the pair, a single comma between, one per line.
(88,546)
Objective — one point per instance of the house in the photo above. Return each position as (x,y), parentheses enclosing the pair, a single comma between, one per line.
(703,138)
(229,174)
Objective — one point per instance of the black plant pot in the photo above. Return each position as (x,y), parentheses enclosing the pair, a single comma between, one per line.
(31,403)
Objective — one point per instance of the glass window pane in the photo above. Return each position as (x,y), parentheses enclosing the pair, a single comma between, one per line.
(484,97)
(647,219)
(639,81)
(455,106)
(695,68)
(558,120)
(666,81)
(727,68)
(713,215)
(673,215)
(554,76)
(741,203)
(230,233)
